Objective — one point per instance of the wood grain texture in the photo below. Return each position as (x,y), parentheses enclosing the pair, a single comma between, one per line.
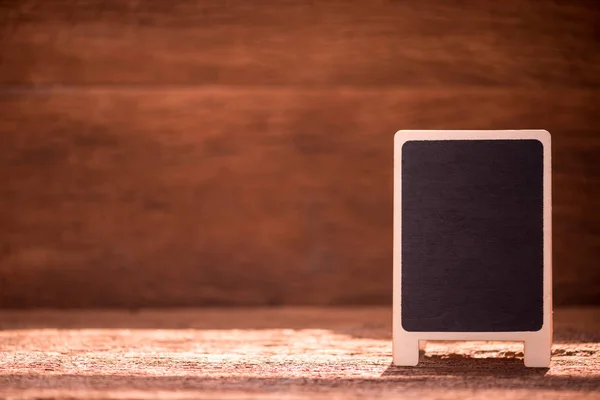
(282,353)
(219,195)
(209,152)
(357,43)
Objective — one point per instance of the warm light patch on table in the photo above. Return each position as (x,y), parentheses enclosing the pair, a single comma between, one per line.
(291,352)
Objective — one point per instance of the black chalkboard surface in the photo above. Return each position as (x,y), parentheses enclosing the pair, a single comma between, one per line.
(472,237)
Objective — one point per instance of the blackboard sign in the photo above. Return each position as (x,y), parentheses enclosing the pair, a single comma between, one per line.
(472,240)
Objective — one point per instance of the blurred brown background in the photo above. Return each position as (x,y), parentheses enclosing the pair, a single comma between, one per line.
(157,153)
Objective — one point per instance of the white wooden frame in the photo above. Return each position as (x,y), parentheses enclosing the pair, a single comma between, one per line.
(537,344)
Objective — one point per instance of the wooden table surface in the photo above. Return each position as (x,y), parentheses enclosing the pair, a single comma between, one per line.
(275,353)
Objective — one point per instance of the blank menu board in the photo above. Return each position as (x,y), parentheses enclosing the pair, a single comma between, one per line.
(472,235)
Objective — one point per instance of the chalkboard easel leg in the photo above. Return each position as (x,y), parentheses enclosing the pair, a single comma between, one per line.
(537,352)
(406,352)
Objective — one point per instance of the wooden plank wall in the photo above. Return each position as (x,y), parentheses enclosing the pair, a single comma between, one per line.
(158,153)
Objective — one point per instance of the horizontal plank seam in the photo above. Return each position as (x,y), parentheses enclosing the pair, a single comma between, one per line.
(467,89)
